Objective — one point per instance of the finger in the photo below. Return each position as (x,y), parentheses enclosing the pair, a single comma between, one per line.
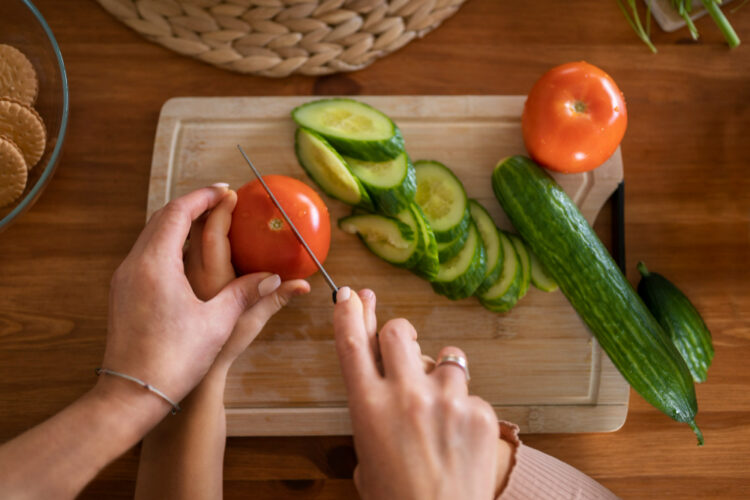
(252,321)
(241,294)
(368,299)
(428,363)
(168,228)
(216,253)
(193,254)
(452,378)
(352,345)
(401,355)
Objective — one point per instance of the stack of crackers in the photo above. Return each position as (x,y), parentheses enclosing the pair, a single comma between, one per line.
(23,136)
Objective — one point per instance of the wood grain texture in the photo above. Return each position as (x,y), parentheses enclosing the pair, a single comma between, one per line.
(688,217)
(552,379)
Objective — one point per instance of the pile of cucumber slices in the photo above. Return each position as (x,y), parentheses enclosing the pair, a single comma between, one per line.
(412,215)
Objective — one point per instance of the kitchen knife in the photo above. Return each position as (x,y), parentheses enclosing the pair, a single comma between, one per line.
(326,276)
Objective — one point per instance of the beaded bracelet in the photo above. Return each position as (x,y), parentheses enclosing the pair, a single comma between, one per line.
(148,387)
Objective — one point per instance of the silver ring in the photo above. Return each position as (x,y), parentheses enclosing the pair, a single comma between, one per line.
(459,361)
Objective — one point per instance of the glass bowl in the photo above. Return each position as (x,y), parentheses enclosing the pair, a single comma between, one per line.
(22,26)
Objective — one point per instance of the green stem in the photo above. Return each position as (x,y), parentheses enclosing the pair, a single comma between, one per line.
(635,22)
(697,431)
(722,22)
(642,269)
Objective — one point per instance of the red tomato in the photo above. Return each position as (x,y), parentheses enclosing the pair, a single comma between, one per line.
(261,239)
(574,118)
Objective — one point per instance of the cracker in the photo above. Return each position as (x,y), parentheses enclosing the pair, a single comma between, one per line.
(13,172)
(18,79)
(23,125)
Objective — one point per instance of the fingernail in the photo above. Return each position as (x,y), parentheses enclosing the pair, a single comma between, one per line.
(268,285)
(220,185)
(343,294)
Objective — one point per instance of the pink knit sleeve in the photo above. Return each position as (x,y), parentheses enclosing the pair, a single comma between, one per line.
(535,475)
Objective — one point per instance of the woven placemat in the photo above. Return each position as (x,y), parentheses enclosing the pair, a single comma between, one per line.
(279,37)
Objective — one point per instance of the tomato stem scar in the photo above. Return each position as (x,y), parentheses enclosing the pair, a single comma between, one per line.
(276,224)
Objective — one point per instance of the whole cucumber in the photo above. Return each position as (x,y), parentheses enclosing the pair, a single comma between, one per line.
(569,248)
(680,319)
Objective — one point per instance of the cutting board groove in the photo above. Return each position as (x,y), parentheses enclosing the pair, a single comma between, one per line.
(537,365)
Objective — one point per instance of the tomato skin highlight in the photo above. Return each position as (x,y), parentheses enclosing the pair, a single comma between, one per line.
(574,118)
(260,238)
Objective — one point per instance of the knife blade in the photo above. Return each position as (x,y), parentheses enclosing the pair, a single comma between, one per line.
(326,276)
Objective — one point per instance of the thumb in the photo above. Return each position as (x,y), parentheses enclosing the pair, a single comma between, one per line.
(241,294)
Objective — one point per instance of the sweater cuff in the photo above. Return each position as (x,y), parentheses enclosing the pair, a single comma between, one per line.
(536,475)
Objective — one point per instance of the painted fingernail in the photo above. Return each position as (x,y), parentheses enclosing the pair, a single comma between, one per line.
(268,285)
(220,185)
(343,294)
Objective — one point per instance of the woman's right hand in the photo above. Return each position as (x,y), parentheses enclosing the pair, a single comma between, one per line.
(417,435)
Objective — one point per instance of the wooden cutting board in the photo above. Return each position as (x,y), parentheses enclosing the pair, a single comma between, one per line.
(668,18)
(538,365)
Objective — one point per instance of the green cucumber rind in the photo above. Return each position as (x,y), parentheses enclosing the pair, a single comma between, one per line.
(406,232)
(507,298)
(523,256)
(465,284)
(679,319)
(367,150)
(447,251)
(540,278)
(588,276)
(456,231)
(429,265)
(364,201)
(391,200)
(449,234)
(482,218)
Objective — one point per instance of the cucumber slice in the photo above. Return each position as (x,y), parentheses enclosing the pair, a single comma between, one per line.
(491,240)
(523,256)
(429,265)
(540,278)
(328,169)
(352,127)
(388,238)
(442,198)
(459,277)
(503,294)
(390,184)
(447,251)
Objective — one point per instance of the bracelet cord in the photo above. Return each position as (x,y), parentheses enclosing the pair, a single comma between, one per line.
(175,406)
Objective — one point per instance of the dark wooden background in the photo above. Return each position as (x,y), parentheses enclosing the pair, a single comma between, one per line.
(686,152)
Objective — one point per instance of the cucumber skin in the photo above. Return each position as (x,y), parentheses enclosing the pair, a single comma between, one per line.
(454,232)
(406,232)
(525,261)
(510,298)
(541,278)
(680,320)
(448,252)
(382,150)
(429,265)
(391,201)
(364,201)
(570,250)
(467,283)
(491,274)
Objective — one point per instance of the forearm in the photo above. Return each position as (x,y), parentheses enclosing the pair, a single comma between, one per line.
(57,458)
(184,455)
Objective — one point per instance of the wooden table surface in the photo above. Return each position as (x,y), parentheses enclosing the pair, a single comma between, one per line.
(687,215)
